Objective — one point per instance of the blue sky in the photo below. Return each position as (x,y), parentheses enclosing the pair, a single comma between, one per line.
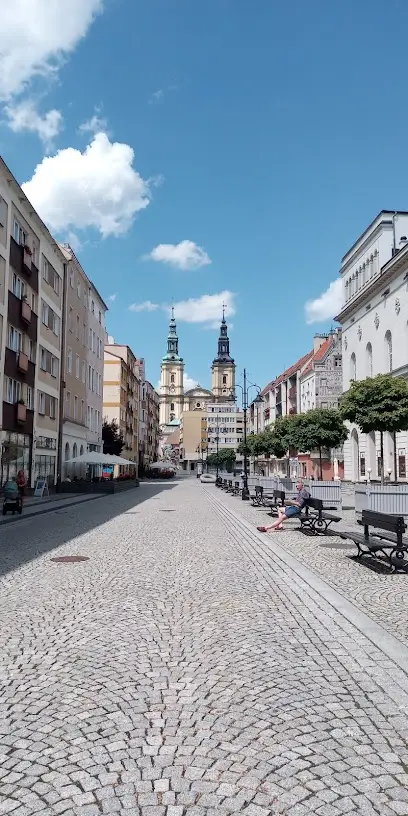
(265,137)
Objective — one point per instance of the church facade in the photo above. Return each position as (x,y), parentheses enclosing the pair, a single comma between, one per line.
(174,401)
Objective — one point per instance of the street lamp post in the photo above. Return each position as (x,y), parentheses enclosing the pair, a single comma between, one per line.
(217,439)
(245,391)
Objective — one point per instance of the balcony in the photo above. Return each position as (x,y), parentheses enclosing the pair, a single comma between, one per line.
(27,257)
(292,392)
(22,362)
(25,311)
(21,413)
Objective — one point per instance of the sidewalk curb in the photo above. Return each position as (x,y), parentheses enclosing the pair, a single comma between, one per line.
(49,509)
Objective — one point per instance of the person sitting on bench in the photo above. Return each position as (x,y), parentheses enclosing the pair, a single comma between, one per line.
(293,509)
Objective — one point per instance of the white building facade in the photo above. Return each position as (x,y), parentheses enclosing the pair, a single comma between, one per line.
(374,321)
(225,421)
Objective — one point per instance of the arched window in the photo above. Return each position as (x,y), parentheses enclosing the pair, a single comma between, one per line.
(67,451)
(81,452)
(224,379)
(172,416)
(388,351)
(74,450)
(172,406)
(347,291)
(172,378)
(353,367)
(369,360)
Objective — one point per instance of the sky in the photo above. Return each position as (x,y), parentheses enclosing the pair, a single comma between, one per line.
(201,153)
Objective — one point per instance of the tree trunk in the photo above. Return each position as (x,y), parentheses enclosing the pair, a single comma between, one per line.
(320,463)
(382,456)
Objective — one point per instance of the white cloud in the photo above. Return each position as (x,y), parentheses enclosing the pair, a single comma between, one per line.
(146,306)
(205,309)
(96,124)
(74,241)
(98,188)
(23,116)
(112,298)
(189,382)
(185,255)
(37,35)
(327,306)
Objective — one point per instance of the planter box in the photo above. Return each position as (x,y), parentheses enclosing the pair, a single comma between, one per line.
(387,498)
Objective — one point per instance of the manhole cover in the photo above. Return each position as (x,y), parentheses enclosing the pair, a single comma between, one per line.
(70,559)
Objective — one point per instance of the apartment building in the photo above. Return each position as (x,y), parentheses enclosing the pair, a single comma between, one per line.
(193,441)
(149,420)
(121,395)
(84,333)
(374,319)
(31,285)
(225,421)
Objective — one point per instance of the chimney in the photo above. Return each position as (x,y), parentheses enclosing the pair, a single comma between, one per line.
(318,341)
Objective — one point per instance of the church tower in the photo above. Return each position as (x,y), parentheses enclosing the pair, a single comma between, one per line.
(171,379)
(223,367)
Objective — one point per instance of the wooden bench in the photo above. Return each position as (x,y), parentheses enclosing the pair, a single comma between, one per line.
(236,489)
(315,519)
(257,497)
(277,500)
(385,542)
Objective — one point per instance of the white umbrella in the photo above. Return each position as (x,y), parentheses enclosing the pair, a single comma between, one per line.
(89,458)
(117,460)
(162,466)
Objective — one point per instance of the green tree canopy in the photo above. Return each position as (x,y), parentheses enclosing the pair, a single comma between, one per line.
(226,458)
(377,404)
(113,441)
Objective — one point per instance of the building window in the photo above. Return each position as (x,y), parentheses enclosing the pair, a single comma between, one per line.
(172,406)
(18,286)
(172,378)
(79,287)
(77,326)
(74,450)
(19,234)
(13,390)
(71,278)
(68,404)
(41,403)
(83,371)
(44,467)
(362,466)
(82,416)
(30,398)
(388,351)
(14,339)
(52,407)
(353,367)
(77,366)
(402,465)
(224,380)
(75,407)
(69,361)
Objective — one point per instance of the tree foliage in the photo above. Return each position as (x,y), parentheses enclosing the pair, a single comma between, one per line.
(319,428)
(377,404)
(112,438)
(226,458)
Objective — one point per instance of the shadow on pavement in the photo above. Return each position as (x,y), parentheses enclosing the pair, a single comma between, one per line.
(25,540)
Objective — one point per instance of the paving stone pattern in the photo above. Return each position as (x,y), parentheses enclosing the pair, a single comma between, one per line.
(177,673)
(382,596)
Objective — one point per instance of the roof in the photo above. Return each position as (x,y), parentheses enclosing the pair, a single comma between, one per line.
(367,229)
(70,255)
(288,373)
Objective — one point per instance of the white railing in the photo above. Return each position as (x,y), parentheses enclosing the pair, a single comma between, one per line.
(392,499)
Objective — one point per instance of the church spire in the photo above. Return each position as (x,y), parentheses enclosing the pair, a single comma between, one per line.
(223,355)
(172,340)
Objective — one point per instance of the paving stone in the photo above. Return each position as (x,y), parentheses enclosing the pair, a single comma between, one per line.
(185,670)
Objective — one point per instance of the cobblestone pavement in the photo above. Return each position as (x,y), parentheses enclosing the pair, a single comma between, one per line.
(384,597)
(178,672)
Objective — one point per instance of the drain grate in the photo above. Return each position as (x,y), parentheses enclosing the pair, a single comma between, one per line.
(70,559)
(167,511)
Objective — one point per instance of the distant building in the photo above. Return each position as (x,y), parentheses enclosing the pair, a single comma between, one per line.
(121,396)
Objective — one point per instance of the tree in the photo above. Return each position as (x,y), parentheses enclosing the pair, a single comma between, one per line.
(112,438)
(225,457)
(317,429)
(377,404)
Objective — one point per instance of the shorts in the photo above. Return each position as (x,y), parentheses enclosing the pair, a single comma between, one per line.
(292,511)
